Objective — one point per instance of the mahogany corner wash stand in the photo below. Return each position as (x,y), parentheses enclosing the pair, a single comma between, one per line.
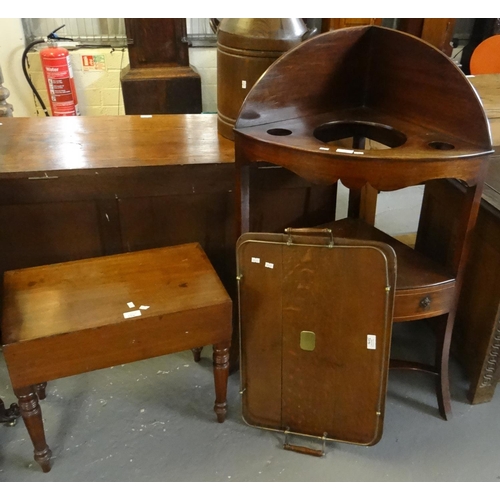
(316,110)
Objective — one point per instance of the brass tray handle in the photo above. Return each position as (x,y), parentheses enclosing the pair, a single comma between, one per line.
(306,231)
(304,449)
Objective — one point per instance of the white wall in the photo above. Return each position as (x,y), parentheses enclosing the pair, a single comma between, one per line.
(204,61)
(11,50)
(98,92)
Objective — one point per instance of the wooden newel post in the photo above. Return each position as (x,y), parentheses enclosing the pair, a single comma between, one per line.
(5,109)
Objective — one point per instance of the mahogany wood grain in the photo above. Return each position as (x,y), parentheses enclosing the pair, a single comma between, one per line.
(126,183)
(476,337)
(368,69)
(94,143)
(392,88)
(312,287)
(169,90)
(423,287)
(32,416)
(70,318)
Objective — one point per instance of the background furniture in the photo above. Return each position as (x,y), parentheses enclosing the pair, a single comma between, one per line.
(71,318)
(436,31)
(92,186)
(477,331)
(481,29)
(328,24)
(159,78)
(314,98)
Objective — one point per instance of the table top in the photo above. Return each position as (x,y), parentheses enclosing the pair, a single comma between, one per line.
(73,144)
(488,88)
(90,293)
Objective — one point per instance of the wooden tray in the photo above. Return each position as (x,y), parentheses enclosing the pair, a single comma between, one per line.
(315,331)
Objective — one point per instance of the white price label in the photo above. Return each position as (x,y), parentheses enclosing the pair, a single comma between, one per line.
(131,314)
(371,341)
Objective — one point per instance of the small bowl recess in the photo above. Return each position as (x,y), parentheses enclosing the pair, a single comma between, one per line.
(384,134)
(279,131)
(442,146)
(250,115)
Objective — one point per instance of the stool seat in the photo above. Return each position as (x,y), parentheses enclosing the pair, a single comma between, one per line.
(65,319)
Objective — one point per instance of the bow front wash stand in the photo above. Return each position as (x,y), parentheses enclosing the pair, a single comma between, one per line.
(75,317)
(376,107)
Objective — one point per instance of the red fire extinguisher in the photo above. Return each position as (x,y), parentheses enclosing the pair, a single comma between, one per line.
(59,80)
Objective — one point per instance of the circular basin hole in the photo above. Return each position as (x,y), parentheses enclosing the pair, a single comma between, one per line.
(279,131)
(359,130)
(250,115)
(442,146)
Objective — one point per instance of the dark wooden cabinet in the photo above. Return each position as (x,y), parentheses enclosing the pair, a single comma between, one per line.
(476,340)
(134,184)
(159,78)
(436,31)
(328,24)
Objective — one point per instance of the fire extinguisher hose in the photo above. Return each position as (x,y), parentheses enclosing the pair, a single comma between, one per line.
(26,74)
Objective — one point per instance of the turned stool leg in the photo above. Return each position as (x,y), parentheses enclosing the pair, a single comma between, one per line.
(221,373)
(40,390)
(197,353)
(32,416)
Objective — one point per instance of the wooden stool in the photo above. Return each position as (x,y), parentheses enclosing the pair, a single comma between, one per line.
(65,319)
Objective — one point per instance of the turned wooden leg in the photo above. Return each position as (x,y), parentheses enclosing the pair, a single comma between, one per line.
(444,330)
(40,390)
(221,373)
(32,416)
(197,353)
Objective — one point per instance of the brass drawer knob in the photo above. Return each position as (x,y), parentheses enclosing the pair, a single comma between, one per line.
(425,302)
